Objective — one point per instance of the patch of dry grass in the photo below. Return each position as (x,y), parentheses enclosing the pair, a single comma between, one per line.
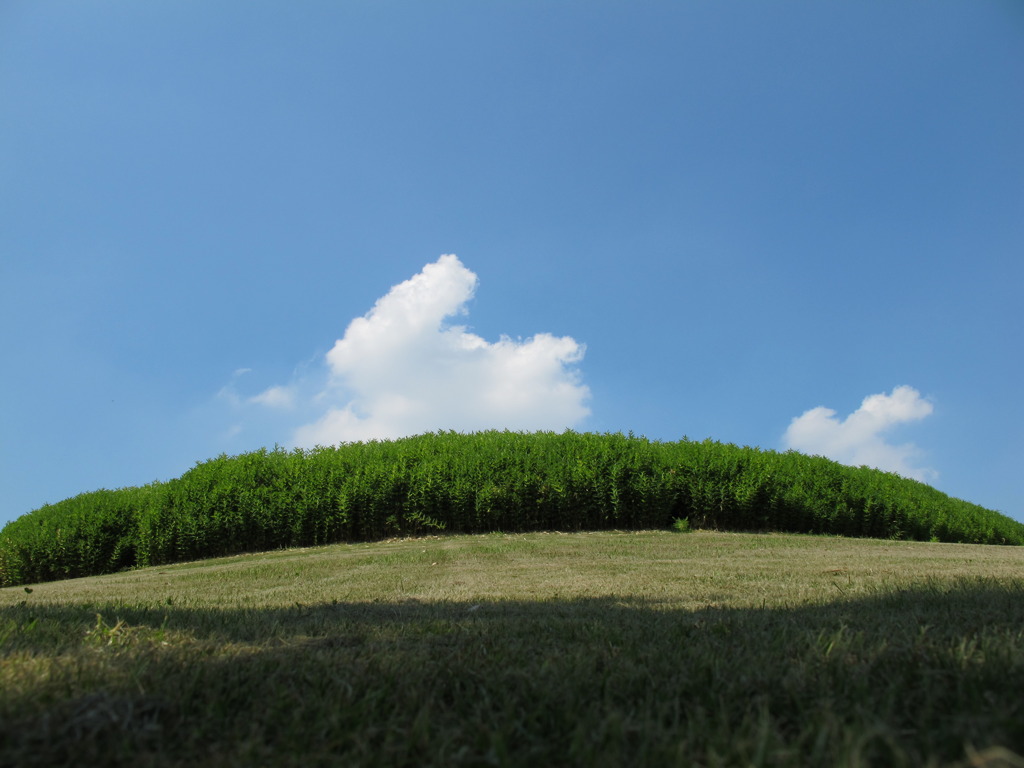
(645,648)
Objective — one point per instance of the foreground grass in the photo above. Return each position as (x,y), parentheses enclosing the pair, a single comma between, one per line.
(541,649)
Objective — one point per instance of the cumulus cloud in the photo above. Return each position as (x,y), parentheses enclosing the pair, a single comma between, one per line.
(860,438)
(404,369)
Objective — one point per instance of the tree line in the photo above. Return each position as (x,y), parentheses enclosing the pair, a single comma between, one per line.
(476,483)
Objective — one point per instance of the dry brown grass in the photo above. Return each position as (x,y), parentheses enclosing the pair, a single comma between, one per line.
(646,648)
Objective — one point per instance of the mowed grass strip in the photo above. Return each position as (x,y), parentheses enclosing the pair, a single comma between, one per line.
(647,648)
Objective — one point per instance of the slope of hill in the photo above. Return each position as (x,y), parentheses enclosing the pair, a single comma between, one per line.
(583,649)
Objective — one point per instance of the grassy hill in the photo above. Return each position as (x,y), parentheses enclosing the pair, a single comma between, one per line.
(570,649)
(477,483)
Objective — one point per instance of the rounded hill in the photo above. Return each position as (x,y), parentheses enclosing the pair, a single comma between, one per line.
(475,483)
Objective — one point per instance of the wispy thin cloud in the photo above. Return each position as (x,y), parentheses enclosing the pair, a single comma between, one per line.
(275,397)
(860,438)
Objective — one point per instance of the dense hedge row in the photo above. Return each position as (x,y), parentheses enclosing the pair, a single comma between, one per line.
(489,481)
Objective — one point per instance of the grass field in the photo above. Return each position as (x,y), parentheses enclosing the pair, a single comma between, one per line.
(588,649)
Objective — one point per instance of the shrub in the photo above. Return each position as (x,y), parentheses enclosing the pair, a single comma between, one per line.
(469,483)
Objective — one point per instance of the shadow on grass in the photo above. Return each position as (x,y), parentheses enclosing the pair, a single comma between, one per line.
(917,677)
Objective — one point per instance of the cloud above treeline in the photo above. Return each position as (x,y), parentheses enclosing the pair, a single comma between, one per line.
(861,438)
(404,368)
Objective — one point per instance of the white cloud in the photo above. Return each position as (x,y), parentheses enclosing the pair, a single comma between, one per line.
(859,438)
(401,369)
(275,397)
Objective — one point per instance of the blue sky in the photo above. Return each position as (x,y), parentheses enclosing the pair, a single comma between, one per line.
(791,224)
